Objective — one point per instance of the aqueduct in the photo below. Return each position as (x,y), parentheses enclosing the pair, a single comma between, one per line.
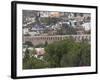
(42,39)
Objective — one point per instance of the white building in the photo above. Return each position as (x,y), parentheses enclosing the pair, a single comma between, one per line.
(33,33)
(44,14)
(86,26)
(25,30)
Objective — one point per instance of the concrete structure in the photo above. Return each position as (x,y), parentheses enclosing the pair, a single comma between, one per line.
(42,39)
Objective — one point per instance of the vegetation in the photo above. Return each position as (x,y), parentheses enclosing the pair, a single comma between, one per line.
(34,63)
(68,53)
(30,62)
(65,53)
(28,43)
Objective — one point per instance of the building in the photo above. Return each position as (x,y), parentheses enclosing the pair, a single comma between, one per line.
(55,14)
(86,26)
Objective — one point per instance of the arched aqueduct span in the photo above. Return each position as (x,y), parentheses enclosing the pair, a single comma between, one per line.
(42,39)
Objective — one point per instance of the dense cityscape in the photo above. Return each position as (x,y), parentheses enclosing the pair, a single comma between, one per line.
(45,31)
(55,23)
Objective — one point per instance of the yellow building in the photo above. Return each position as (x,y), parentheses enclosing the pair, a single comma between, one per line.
(55,14)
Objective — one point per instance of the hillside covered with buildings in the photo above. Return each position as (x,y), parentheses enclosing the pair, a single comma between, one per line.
(54,39)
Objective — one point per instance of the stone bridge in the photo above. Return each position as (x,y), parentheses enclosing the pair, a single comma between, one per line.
(42,39)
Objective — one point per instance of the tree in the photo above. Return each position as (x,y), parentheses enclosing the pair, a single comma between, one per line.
(64,53)
(34,63)
(70,59)
(46,43)
(28,43)
(85,55)
(55,52)
(26,58)
(68,53)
